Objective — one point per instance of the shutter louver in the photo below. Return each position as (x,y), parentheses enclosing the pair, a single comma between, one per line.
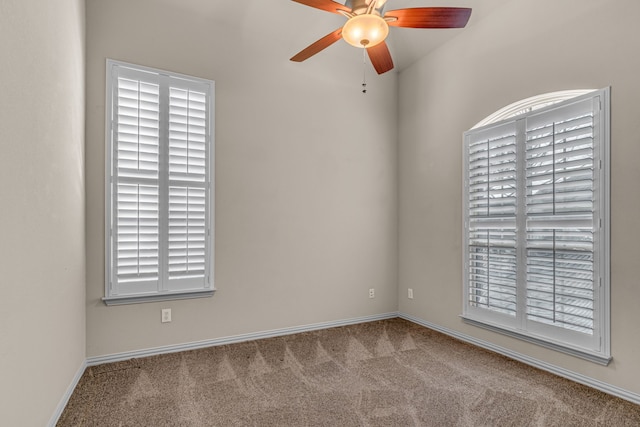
(560,219)
(491,223)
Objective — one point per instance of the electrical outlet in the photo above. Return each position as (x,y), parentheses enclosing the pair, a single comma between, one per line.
(410,293)
(372,293)
(166,315)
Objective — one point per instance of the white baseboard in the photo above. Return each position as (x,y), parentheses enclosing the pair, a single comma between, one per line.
(573,376)
(67,395)
(97,360)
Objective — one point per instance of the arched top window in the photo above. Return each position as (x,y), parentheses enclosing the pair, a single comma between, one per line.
(536,222)
(530,104)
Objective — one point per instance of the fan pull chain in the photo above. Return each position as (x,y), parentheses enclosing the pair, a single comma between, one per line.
(364,70)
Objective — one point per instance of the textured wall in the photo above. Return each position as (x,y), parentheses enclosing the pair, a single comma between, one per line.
(525,48)
(42,245)
(306,212)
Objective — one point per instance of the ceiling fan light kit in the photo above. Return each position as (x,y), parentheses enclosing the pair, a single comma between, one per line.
(365,30)
(367,26)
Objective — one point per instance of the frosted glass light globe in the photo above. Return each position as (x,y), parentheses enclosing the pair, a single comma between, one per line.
(365,30)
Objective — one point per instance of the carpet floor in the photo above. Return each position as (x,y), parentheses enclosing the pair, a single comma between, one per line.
(385,373)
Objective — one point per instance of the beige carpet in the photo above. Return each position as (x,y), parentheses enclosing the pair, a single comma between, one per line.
(386,373)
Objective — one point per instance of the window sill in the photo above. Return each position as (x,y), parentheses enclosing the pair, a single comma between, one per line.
(598,358)
(138,299)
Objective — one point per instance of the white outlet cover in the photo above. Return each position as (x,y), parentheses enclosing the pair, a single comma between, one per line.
(166,315)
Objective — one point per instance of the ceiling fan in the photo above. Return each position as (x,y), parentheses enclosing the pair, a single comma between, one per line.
(368,26)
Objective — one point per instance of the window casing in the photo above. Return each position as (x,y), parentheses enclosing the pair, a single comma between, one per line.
(536,226)
(159,184)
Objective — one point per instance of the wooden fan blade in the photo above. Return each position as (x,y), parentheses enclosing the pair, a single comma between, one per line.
(318,46)
(429,17)
(380,58)
(328,5)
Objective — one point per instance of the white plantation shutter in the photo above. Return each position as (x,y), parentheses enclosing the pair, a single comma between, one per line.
(137,128)
(560,217)
(187,232)
(136,160)
(536,260)
(492,219)
(187,183)
(159,237)
(187,135)
(137,233)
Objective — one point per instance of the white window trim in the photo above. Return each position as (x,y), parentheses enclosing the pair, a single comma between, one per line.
(161,295)
(602,318)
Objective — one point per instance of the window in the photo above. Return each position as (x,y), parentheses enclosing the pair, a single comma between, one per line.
(536,226)
(159,173)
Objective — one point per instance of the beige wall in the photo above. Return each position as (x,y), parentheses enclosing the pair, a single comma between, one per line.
(306,174)
(306,209)
(527,47)
(42,247)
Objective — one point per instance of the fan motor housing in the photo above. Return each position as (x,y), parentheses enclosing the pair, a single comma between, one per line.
(360,6)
